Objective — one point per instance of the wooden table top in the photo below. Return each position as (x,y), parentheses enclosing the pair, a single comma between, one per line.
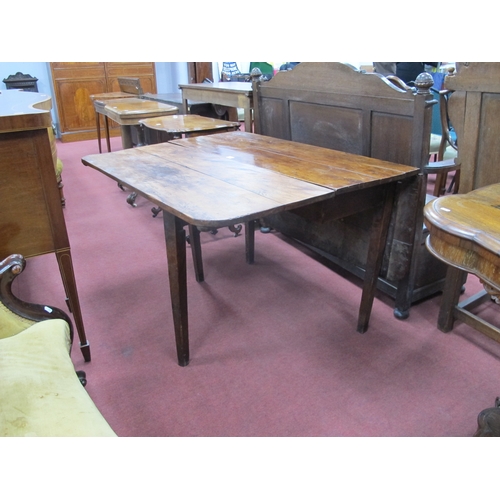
(20,110)
(223,179)
(186,123)
(130,110)
(111,95)
(465,231)
(230,87)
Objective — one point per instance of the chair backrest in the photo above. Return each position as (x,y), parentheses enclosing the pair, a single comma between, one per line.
(336,106)
(231,73)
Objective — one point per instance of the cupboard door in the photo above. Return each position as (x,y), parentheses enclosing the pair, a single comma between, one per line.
(75,82)
(145,71)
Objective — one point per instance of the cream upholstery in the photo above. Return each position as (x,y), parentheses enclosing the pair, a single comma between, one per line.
(40,392)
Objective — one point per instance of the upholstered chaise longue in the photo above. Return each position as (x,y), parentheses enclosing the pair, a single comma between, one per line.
(40,392)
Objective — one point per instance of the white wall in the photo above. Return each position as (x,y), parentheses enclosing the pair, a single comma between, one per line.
(168,77)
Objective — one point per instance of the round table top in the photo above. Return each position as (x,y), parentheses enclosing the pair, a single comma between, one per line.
(186,123)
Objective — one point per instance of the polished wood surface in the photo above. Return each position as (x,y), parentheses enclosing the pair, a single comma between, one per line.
(224,179)
(232,94)
(188,124)
(334,105)
(75,82)
(32,221)
(128,112)
(24,111)
(98,101)
(465,231)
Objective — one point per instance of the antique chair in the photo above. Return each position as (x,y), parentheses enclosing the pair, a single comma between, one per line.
(442,146)
(41,393)
(231,73)
(337,106)
(446,150)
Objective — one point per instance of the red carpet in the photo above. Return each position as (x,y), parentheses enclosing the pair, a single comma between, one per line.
(273,345)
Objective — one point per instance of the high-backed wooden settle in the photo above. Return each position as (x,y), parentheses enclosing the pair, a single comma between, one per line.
(336,106)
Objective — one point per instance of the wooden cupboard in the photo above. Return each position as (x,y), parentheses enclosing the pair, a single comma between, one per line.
(75,82)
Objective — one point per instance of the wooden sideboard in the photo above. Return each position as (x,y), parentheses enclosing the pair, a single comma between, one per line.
(32,221)
(75,82)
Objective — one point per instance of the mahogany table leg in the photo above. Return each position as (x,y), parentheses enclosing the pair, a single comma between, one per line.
(175,239)
(250,241)
(195,242)
(455,278)
(68,277)
(98,127)
(108,142)
(380,228)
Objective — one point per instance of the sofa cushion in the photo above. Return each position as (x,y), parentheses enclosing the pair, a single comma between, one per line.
(40,392)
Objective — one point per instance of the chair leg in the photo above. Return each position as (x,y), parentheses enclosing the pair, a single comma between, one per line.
(440,185)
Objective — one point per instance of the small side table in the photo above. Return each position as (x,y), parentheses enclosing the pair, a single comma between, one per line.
(464,232)
(98,101)
(130,111)
(167,128)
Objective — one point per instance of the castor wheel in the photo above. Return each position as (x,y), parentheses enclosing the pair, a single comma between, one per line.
(82,377)
(131,199)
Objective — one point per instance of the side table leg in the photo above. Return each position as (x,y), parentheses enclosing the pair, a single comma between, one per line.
(175,239)
(98,128)
(195,242)
(451,294)
(250,241)
(108,142)
(68,277)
